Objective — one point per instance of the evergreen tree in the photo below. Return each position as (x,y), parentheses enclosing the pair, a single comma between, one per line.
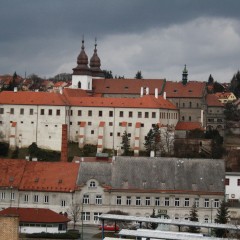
(222,217)
(153,139)
(153,225)
(194,218)
(210,80)
(138,75)
(125,144)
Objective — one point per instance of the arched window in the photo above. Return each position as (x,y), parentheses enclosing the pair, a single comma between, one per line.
(79,84)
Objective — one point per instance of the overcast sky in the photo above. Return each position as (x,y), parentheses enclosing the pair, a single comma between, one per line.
(155,36)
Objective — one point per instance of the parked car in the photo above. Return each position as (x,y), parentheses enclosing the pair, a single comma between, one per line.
(109,228)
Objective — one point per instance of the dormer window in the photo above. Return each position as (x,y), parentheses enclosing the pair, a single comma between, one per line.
(92,184)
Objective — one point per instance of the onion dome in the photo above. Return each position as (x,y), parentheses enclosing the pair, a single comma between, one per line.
(82,61)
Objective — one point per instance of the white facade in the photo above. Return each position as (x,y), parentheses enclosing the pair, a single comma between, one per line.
(82,81)
(232,186)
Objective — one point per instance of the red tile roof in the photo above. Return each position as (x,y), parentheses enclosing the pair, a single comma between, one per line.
(32,98)
(11,172)
(146,101)
(192,89)
(38,176)
(49,176)
(71,92)
(187,126)
(212,101)
(35,215)
(224,95)
(129,86)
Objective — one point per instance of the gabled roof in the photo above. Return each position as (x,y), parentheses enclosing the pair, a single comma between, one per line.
(11,172)
(35,215)
(72,92)
(31,98)
(212,101)
(187,126)
(38,176)
(144,174)
(146,101)
(224,95)
(127,86)
(192,89)
(50,176)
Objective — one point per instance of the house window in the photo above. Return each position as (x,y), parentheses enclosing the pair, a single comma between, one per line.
(79,112)
(99,200)
(110,124)
(85,199)
(196,202)
(206,203)
(3,195)
(90,113)
(71,112)
(183,104)
(35,198)
(153,114)
(42,112)
(11,110)
(50,112)
(46,199)
(31,111)
(190,118)
(100,113)
(177,202)
(110,134)
(216,203)
(110,114)
(206,220)
(92,184)
(121,114)
(92,132)
(129,134)
(119,200)
(147,202)
(21,111)
(146,115)
(25,198)
(130,114)
(12,196)
(119,134)
(138,201)
(96,216)
(227,181)
(58,112)
(166,201)
(128,201)
(186,202)
(129,124)
(190,104)
(89,123)
(63,203)
(139,114)
(238,182)
(157,201)
(1,110)
(183,118)
(86,216)
(142,124)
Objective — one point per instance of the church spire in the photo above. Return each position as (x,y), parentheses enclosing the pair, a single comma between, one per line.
(185,75)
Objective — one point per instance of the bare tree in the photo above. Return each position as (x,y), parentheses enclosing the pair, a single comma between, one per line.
(167,141)
(74,213)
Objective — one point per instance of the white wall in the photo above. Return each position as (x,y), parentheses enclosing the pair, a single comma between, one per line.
(233,190)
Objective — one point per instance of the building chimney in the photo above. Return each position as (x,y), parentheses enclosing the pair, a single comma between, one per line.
(141,92)
(64,149)
(147,91)
(156,93)
(165,95)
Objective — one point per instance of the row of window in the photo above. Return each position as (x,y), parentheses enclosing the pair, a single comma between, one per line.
(190,105)
(147,201)
(227,181)
(50,112)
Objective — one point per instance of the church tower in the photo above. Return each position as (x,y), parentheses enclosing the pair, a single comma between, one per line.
(82,76)
(95,64)
(185,75)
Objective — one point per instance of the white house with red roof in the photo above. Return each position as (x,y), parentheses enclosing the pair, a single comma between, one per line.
(37,220)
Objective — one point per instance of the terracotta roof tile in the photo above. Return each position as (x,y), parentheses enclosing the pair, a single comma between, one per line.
(32,98)
(130,86)
(49,176)
(212,101)
(35,215)
(71,92)
(146,101)
(192,89)
(188,126)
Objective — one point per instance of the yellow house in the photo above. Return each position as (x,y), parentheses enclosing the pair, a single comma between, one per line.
(225,97)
